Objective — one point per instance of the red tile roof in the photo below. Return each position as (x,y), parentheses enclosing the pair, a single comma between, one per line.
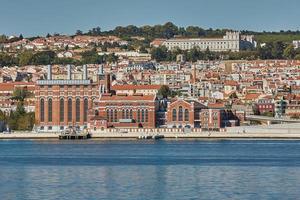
(216,105)
(11,85)
(136,87)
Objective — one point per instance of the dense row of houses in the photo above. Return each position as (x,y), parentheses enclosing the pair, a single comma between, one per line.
(62,42)
(206,94)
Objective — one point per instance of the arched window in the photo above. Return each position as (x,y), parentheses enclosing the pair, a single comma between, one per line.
(174,115)
(77,110)
(131,114)
(143,116)
(69,110)
(123,114)
(96,113)
(180,114)
(85,109)
(116,116)
(42,110)
(146,116)
(111,115)
(138,116)
(127,114)
(107,115)
(186,115)
(61,110)
(49,110)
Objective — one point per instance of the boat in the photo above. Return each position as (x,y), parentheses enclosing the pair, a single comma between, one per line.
(148,137)
(157,137)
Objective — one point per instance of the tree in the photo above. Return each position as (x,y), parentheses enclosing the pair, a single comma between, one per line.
(289,52)
(20,94)
(3,117)
(26,122)
(43,58)
(21,37)
(194,31)
(194,54)
(95,31)
(91,57)
(159,54)
(143,49)
(111,58)
(6,60)
(79,32)
(164,91)
(65,61)
(169,30)
(3,38)
(277,51)
(297,57)
(25,58)
(20,120)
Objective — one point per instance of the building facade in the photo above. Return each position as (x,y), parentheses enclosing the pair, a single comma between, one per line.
(139,89)
(61,104)
(265,107)
(183,113)
(124,111)
(232,41)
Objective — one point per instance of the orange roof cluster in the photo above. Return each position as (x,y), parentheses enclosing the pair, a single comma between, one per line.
(136,87)
(251,96)
(10,86)
(231,83)
(216,105)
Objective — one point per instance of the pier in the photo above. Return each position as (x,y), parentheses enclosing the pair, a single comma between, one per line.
(72,134)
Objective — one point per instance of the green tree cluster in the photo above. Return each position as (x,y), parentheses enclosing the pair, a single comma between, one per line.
(91,57)
(278,50)
(167,30)
(7,60)
(164,91)
(163,54)
(20,120)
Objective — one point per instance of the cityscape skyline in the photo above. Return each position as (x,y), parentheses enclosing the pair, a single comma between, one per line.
(33,18)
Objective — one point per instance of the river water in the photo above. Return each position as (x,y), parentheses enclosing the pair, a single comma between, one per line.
(129,170)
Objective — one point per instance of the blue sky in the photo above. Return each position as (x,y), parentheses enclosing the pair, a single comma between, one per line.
(38,17)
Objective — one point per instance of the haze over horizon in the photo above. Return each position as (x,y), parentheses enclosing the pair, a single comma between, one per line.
(39,17)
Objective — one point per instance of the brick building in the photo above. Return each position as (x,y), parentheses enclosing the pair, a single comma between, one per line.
(184,113)
(61,104)
(216,117)
(124,111)
(265,106)
(132,89)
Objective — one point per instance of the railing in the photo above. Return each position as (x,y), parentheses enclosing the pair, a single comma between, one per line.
(151,130)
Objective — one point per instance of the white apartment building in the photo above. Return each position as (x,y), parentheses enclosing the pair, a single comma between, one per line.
(296,44)
(232,41)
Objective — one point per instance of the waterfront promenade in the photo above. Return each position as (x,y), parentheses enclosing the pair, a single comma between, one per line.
(279,131)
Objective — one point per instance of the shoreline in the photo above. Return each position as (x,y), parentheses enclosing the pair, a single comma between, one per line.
(167,136)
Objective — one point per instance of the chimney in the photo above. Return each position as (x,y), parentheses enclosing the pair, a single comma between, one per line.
(107,83)
(69,72)
(85,74)
(49,72)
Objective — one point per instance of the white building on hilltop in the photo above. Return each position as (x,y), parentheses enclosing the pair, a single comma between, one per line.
(232,41)
(296,44)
